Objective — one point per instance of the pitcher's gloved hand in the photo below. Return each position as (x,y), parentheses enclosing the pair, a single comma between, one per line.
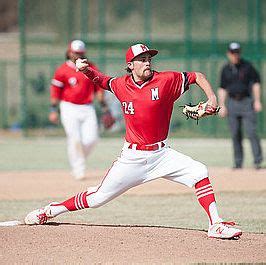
(202,109)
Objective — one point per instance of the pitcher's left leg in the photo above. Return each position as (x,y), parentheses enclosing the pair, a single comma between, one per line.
(185,170)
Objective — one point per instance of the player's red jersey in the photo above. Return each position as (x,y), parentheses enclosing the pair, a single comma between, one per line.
(72,86)
(148,107)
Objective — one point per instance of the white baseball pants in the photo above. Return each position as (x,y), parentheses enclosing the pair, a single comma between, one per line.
(80,124)
(135,167)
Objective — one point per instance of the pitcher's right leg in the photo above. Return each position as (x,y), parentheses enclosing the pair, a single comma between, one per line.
(121,177)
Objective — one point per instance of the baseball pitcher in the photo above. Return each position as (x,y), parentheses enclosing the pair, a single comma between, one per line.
(147,98)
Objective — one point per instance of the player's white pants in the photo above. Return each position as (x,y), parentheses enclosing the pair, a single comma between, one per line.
(135,167)
(80,124)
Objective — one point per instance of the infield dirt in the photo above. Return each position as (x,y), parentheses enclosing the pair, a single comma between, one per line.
(80,243)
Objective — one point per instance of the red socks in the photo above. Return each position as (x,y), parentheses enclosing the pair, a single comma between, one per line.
(206,197)
(77,202)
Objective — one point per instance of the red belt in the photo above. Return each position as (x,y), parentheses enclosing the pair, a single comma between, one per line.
(152,147)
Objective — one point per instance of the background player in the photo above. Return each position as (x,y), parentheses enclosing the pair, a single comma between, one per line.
(147,98)
(240,99)
(74,94)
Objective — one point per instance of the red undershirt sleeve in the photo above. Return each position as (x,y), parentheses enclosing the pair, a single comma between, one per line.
(98,78)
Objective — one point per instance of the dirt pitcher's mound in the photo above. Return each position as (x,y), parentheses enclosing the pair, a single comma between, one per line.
(80,243)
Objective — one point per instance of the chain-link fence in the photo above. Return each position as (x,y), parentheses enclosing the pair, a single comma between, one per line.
(190,35)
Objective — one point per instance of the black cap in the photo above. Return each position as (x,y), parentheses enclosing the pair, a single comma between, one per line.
(234,47)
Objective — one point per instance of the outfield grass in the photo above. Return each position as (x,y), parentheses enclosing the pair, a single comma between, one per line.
(50,153)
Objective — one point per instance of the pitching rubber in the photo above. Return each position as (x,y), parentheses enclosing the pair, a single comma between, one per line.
(11,223)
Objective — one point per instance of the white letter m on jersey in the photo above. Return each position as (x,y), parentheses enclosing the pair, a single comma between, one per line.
(155,93)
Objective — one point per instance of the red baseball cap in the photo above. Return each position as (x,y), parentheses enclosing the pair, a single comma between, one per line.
(138,49)
(77,46)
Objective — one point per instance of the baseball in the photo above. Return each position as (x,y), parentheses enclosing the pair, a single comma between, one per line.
(81,64)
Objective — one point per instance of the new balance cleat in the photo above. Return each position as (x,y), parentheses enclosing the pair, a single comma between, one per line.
(224,230)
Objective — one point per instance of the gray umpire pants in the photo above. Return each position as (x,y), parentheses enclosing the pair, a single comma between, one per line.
(241,111)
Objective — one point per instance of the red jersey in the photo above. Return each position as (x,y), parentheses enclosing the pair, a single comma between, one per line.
(72,86)
(148,107)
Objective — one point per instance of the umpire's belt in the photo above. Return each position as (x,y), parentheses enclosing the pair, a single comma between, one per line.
(238,97)
(147,147)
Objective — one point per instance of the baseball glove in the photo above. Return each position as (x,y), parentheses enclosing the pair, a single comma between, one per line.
(107,120)
(200,110)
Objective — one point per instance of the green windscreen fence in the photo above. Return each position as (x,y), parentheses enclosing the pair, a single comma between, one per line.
(191,35)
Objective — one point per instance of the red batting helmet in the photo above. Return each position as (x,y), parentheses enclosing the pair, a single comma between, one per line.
(77,46)
(138,49)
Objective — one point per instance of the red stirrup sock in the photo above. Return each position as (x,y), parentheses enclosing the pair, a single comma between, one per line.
(206,199)
(75,203)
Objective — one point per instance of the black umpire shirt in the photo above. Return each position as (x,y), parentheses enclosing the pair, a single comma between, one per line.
(238,79)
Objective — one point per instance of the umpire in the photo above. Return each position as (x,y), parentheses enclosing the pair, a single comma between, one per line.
(240,99)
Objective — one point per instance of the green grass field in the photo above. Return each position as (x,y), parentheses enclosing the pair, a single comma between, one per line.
(50,153)
(181,210)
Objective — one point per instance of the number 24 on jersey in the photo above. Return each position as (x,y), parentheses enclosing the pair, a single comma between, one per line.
(128,107)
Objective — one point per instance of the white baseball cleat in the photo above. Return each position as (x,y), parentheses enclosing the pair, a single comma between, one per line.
(224,230)
(39,216)
(78,175)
